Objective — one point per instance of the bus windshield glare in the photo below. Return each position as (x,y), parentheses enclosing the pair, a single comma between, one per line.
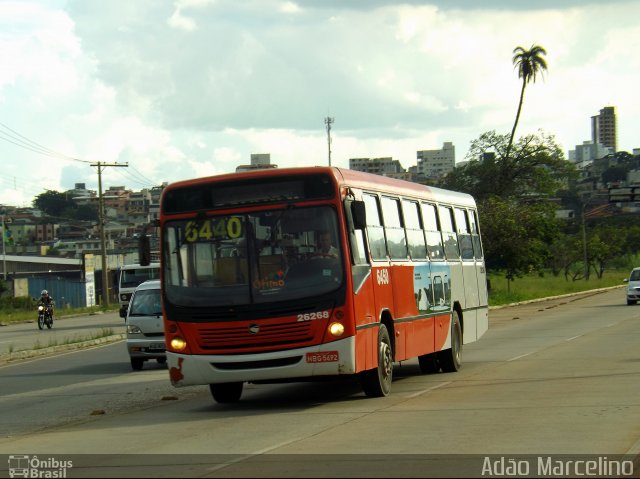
(255,257)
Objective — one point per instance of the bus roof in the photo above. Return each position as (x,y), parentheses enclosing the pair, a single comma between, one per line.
(369,181)
(344,177)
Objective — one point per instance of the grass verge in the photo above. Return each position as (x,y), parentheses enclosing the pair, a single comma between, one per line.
(67,343)
(21,316)
(535,286)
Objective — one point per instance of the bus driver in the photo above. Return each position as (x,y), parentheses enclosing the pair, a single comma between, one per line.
(324,248)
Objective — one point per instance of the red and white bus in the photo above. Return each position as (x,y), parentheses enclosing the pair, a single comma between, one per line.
(248,295)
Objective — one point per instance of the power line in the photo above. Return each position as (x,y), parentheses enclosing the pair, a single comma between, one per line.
(142,176)
(136,177)
(12,136)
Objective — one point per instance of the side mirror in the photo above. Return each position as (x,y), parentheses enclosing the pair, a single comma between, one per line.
(359,215)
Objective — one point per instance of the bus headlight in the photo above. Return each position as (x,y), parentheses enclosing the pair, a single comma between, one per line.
(178,344)
(336,329)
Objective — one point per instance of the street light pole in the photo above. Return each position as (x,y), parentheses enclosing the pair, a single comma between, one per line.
(328,121)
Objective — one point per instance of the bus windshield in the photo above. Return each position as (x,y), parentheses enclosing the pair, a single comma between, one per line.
(256,257)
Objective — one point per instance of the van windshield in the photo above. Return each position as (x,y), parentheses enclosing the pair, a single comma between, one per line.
(130,278)
(146,302)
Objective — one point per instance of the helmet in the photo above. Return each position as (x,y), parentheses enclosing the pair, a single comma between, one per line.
(44,292)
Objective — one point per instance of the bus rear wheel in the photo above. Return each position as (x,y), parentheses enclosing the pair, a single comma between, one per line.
(451,359)
(377,382)
(226,392)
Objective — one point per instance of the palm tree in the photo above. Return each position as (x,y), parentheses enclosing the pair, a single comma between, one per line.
(529,64)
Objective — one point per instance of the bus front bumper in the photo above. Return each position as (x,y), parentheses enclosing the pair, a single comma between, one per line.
(331,359)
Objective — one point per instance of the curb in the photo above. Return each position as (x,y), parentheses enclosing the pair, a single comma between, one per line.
(33,353)
(589,292)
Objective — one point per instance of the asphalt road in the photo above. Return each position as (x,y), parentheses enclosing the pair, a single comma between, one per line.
(560,377)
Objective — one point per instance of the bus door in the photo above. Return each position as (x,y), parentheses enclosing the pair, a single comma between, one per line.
(470,273)
(456,284)
(364,308)
(481,276)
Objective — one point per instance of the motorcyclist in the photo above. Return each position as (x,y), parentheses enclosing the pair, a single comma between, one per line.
(47,301)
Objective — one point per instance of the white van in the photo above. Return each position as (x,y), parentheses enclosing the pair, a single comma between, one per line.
(145,330)
(131,275)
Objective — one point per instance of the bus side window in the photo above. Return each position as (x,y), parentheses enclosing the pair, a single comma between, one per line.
(475,234)
(432,231)
(393,228)
(358,247)
(413,226)
(448,233)
(375,231)
(464,234)
(356,235)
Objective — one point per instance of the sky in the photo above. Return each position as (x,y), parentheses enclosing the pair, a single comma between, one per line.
(179,89)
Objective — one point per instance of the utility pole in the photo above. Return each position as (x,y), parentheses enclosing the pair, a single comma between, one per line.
(101,218)
(328,121)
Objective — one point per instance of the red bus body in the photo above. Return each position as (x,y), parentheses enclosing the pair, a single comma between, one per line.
(246,298)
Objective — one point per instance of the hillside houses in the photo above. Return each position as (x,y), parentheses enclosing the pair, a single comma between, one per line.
(28,231)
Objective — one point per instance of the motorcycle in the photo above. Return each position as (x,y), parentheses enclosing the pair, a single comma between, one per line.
(45,316)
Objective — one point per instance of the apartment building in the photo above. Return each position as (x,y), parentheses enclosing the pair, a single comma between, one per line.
(386,166)
(434,164)
(604,128)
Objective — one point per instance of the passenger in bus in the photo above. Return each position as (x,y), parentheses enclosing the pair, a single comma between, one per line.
(324,248)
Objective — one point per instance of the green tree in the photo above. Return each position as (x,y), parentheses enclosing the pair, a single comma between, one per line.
(565,255)
(517,235)
(87,212)
(60,205)
(605,244)
(536,168)
(518,220)
(614,174)
(529,63)
(53,203)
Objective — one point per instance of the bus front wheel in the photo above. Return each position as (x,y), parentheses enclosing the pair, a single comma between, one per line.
(226,392)
(377,382)
(451,359)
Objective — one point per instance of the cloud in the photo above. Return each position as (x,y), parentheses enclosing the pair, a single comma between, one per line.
(192,87)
